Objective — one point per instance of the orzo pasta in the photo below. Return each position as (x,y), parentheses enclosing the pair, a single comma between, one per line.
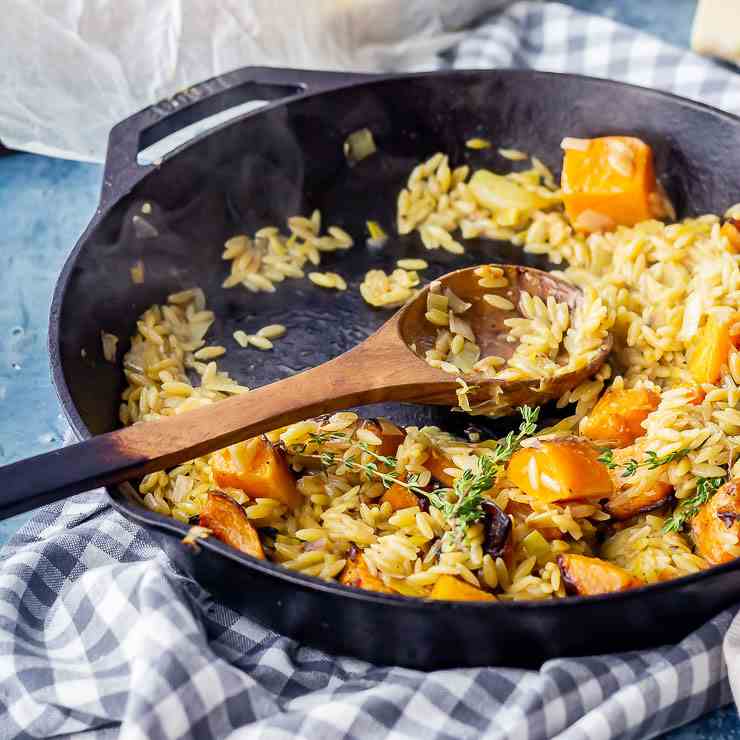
(635,485)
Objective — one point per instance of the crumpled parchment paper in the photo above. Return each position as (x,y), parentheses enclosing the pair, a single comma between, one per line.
(70,70)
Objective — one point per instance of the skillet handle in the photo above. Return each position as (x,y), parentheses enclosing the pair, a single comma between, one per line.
(201,101)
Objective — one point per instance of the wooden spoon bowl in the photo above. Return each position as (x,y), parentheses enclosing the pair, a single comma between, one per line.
(382,368)
(492,335)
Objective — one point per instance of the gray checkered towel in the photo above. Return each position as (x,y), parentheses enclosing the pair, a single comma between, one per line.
(99,632)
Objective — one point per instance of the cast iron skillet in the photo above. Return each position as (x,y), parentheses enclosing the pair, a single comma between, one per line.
(286,159)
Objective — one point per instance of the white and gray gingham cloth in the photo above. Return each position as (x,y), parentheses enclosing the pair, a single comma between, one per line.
(100,634)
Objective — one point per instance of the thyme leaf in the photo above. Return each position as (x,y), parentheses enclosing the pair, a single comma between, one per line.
(511,442)
(689,507)
(466,508)
(651,461)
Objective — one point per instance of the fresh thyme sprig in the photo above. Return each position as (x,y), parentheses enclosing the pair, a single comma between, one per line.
(511,442)
(651,461)
(462,504)
(689,508)
(466,507)
(372,471)
(317,438)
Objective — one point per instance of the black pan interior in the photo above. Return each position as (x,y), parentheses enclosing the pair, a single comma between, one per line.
(289,160)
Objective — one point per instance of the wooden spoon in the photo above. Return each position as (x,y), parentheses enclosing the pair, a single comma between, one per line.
(388,366)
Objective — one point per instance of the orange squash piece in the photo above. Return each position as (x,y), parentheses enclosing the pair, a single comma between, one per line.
(450,588)
(391,436)
(436,464)
(560,470)
(608,183)
(399,497)
(228,522)
(261,472)
(356,573)
(636,494)
(696,394)
(628,502)
(713,343)
(617,417)
(587,576)
(716,528)
(731,231)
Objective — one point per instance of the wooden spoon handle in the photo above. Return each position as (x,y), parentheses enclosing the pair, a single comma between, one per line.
(367,374)
(143,448)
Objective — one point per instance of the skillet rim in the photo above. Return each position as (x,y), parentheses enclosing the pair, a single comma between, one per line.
(174,527)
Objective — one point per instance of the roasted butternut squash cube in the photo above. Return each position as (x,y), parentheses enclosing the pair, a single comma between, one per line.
(731,231)
(716,528)
(712,349)
(450,588)
(390,435)
(560,470)
(630,501)
(640,493)
(357,574)
(257,468)
(437,463)
(695,394)
(229,523)
(617,418)
(609,181)
(587,576)
(399,497)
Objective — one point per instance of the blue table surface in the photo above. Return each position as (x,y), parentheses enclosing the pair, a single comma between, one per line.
(44,206)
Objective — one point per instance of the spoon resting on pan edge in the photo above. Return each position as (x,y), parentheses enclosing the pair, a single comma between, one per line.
(388,366)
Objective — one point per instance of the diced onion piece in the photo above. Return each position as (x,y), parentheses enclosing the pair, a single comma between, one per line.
(536,545)
(593,221)
(359,145)
(456,304)
(182,487)
(466,359)
(378,237)
(110,345)
(496,193)
(580,145)
(435,300)
(437,317)
(462,327)
(137,272)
